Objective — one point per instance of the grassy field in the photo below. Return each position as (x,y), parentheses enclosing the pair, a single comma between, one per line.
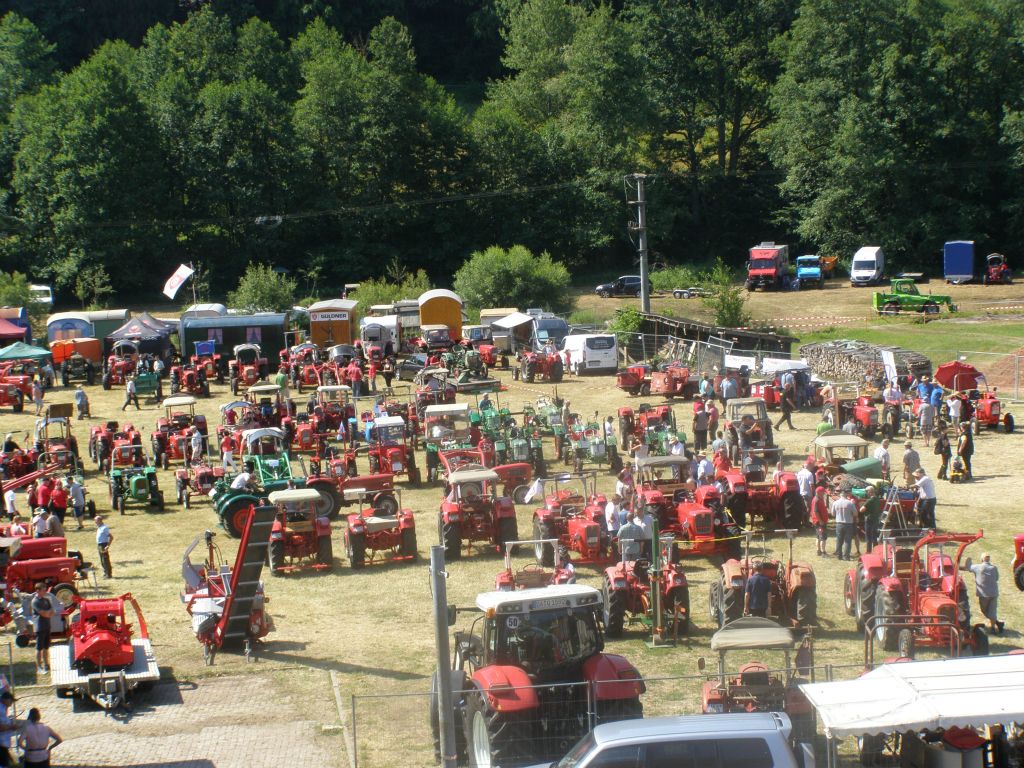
(372,628)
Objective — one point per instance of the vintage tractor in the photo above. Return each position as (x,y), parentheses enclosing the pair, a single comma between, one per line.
(635,379)
(77,367)
(112,445)
(20,375)
(247,367)
(104,661)
(768,390)
(1018,561)
(389,451)
(189,379)
(134,484)
(226,603)
(674,380)
(26,562)
(473,512)
(445,427)
(653,424)
(272,410)
(793,600)
(997,271)
(696,517)
(197,478)
(758,686)
(120,363)
(214,364)
(299,537)
(54,432)
(434,338)
(747,425)
(846,400)
(528,675)
(573,513)
(305,366)
(587,444)
(754,489)
(531,575)
(653,593)
(433,387)
(383,527)
(541,365)
(11,397)
(921,601)
(171,440)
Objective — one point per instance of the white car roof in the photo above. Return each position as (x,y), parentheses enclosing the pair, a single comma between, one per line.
(293,496)
(252,435)
(179,401)
(334,388)
(389,421)
(264,389)
(562,595)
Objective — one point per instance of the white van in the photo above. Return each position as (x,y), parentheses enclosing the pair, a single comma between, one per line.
(591,353)
(868,266)
(42,294)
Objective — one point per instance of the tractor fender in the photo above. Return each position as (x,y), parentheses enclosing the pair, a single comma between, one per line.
(234,500)
(706,495)
(625,412)
(616,577)
(800,575)
(504,507)
(787,483)
(732,572)
(355,524)
(450,512)
(322,526)
(507,688)
(612,677)
(874,567)
(406,520)
(737,482)
(890,584)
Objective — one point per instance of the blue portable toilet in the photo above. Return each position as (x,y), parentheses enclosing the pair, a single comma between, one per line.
(958,261)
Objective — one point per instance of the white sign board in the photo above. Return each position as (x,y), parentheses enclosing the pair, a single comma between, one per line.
(735,362)
(326,316)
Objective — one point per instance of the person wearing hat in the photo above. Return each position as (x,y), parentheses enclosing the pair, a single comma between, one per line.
(911,461)
(757,592)
(986,586)
(925,498)
(7,726)
(965,447)
(705,469)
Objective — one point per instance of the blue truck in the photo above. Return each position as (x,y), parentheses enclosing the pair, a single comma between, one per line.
(809,271)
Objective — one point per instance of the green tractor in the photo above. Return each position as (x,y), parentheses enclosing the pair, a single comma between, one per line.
(135,484)
(586,444)
(903,296)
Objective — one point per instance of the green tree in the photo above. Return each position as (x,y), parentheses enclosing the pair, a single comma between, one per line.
(15,292)
(261,289)
(92,285)
(727,298)
(26,60)
(391,288)
(513,277)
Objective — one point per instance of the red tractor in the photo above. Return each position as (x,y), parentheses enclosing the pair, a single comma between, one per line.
(305,366)
(190,380)
(1018,561)
(635,379)
(58,571)
(654,594)
(390,451)
(841,401)
(747,425)
(122,447)
(53,434)
(759,686)
(18,374)
(298,536)
(573,513)
(383,527)
(530,673)
(674,380)
(532,575)
(997,271)
(756,489)
(648,423)
(11,396)
(196,479)
(910,593)
(768,390)
(793,600)
(213,364)
(471,511)
(271,409)
(541,365)
(120,363)
(434,338)
(171,440)
(968,383)
(248,366)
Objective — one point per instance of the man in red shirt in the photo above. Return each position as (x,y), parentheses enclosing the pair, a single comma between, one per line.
(819,517)
(59,502)
(227,451)
(355,378)
(43,494)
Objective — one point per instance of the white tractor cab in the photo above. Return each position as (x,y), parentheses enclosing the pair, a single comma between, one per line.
(449,421)
(868,266)
(591,353)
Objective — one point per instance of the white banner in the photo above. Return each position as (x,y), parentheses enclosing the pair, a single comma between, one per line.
(889,361)
(181,274)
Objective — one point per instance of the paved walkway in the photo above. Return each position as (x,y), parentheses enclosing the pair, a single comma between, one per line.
(216,723)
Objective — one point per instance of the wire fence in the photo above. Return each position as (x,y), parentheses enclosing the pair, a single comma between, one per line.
(560,715)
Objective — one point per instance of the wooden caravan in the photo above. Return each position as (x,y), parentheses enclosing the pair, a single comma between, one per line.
(333,322)
(442,307)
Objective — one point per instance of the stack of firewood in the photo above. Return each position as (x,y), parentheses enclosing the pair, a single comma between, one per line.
(845,360)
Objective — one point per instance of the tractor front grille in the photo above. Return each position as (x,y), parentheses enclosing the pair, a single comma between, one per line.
(703,524)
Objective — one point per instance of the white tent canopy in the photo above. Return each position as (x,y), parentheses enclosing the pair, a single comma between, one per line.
(513,320)
(968,692)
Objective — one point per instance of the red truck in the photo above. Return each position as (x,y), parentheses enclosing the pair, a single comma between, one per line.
(768,267)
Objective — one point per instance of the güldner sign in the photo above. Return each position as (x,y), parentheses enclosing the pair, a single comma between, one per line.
(327,317)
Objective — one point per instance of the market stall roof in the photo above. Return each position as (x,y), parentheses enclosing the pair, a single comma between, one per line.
(142,326)
(967,692)
(513,320)
(19,350)
(9,330)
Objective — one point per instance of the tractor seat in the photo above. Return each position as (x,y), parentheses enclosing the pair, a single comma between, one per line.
(376,524)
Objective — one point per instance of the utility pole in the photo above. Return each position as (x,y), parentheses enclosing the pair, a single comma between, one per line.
(445,711)
(639,225)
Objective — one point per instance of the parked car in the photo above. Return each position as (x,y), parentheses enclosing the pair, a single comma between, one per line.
(413,364)
(627,285)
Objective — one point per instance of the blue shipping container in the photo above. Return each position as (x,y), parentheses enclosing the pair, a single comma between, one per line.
(958,261)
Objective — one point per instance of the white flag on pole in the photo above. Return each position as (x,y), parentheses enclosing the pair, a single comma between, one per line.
(175,281)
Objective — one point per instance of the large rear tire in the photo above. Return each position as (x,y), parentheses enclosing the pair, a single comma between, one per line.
(611,710)
(792,510)
(805,606)
(408,545)
(355,549)
(235,517)
(544,553)
(887,604)
(1008,423)
(715,604)
(1018,577)
(325,551)
(329,503)
(507,532)
(864,597)
(732,603)
(275,554)
(451,537)
(614,610)
(496,738)
(556,371)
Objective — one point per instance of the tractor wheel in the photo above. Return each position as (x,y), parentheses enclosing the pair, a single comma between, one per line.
(235,517)
(890,308)
(408,546)
(964,605)
(175,386)
(234,385)
(611,710)
(206,389)
(506,532)
(887,604)
(887,431)
(179,489)
(519,494)
(544,553)
(496,738)
(119,504)
(90,509)
(615,463)
(385,505)
(556,371)
(980,638)
(732,604)
(65,594)
(1008,423)
(158,500)
(905,643)
(614,609)
(275,557)
(864,597)
(187,499)
(329,503)
(677,610)
(792,510)
(715,604)
(106,381)
(451,537)
(165,459)
(19,402)
(325,551)
(1018,577)
(645,390)
(848,596)
(355,549)
(805,606)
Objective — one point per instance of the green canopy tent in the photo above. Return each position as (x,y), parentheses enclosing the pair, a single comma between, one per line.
(19,350)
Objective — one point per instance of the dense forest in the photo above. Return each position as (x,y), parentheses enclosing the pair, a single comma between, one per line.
(344,140)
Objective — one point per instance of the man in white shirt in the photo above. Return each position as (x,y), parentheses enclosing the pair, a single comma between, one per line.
(196,443)
(882,455)
(9,503)
(805,481)
(926,498)
(646,522)
(844,512)
(892,394)
(850,427)
(705,469)
(954,404)
(243,479)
